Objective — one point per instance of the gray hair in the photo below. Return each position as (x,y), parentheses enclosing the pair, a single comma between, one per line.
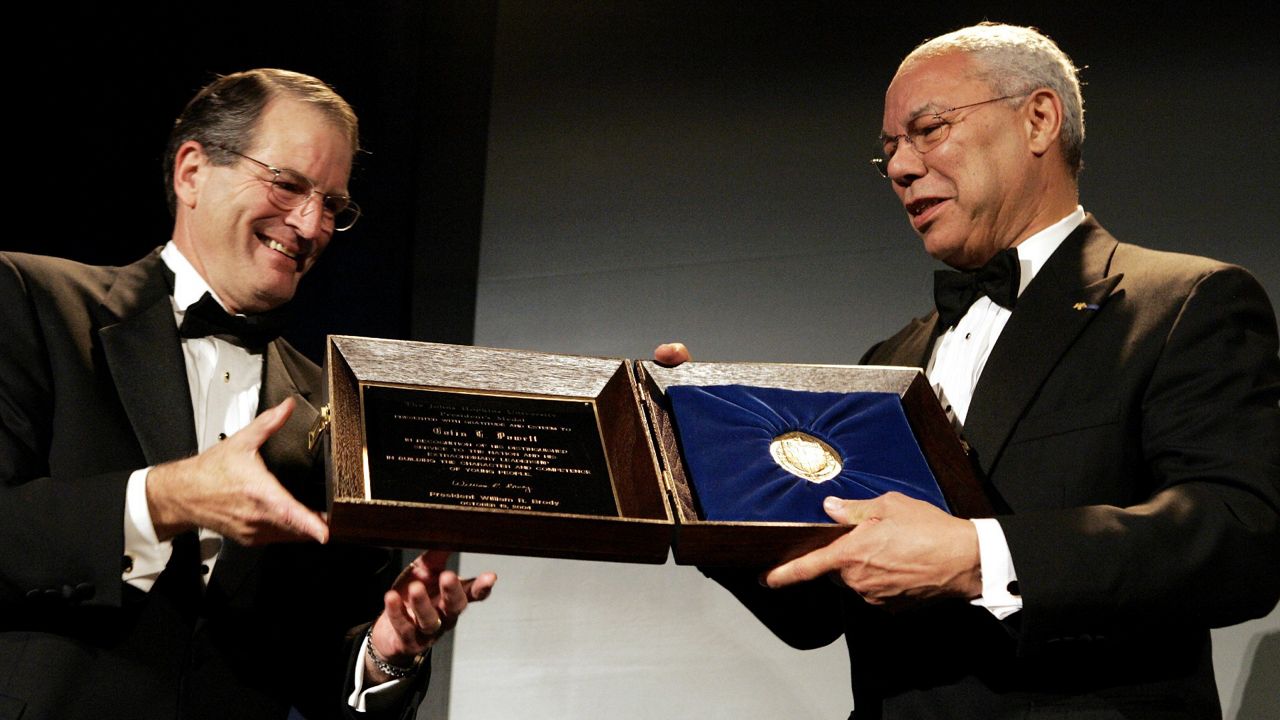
(223,116)
(1013,60)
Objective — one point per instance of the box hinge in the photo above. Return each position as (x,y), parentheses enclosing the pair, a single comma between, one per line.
(318,427)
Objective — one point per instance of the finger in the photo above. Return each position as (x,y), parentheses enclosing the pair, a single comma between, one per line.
(265,425)
(402,622)
(420,570)
(428,621)
(671,354)
(435,560)
(849,512)
(479,587)
(428,568)
(804,568)
(453,596)
(296,520)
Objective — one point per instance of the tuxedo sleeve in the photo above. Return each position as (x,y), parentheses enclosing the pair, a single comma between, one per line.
(1202,546)
(61,538)
(804,616)
(405,707)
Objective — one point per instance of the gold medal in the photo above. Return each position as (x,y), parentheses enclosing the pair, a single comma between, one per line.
(805,456)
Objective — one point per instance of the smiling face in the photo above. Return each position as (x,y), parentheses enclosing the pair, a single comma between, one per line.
(251,251)
(980,190)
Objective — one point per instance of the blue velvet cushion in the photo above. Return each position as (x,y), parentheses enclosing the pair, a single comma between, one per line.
(725,432)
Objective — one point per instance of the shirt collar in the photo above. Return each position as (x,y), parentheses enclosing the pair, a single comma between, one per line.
(188,285)
(1034,252)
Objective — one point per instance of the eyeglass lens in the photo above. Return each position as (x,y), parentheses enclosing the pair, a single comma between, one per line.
(290,189)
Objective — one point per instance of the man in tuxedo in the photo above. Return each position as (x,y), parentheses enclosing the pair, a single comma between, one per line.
(1121,405)
(157,557)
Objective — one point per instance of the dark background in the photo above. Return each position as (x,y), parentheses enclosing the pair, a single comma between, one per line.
(95,99)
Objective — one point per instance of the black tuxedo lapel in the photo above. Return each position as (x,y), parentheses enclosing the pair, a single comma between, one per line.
(279,382)
(1051,313)
(141,346)
(911,347)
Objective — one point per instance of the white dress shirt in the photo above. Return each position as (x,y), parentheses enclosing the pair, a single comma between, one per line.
(959,356)
(225,381)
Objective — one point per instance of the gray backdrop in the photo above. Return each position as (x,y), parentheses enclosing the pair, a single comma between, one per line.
(699,172)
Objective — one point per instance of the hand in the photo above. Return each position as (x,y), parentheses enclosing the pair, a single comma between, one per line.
(671,354)
(902,551)
(228,489)
(422,605)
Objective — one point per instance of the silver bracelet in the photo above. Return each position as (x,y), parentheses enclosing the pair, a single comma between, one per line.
(396,672)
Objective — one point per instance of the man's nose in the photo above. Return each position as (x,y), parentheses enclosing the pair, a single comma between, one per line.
(906,164)
(308,219)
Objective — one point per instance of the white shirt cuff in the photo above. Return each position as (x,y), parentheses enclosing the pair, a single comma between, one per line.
(145,554)
(378,697)
(999,579)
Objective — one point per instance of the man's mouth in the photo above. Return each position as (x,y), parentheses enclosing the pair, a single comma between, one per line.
(278,247)
(919,206)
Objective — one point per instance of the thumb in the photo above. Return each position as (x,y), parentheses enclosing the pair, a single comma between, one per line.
(848,512)
(671,354)
(267,424)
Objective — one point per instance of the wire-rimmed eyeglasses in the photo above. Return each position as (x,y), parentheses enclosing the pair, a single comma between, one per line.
(290,189)
(925,133)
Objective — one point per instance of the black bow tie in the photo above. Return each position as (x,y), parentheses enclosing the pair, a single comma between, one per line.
(954,290)
(206,317)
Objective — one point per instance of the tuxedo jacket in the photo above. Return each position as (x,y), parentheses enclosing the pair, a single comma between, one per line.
(93,387)
(1127,429)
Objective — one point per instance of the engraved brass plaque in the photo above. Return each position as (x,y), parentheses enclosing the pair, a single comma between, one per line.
(485,450)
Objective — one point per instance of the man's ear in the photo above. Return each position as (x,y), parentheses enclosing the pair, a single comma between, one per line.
(190,169)
(1044,120)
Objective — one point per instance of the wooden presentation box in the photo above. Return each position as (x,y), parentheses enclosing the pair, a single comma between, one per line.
(526,453)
